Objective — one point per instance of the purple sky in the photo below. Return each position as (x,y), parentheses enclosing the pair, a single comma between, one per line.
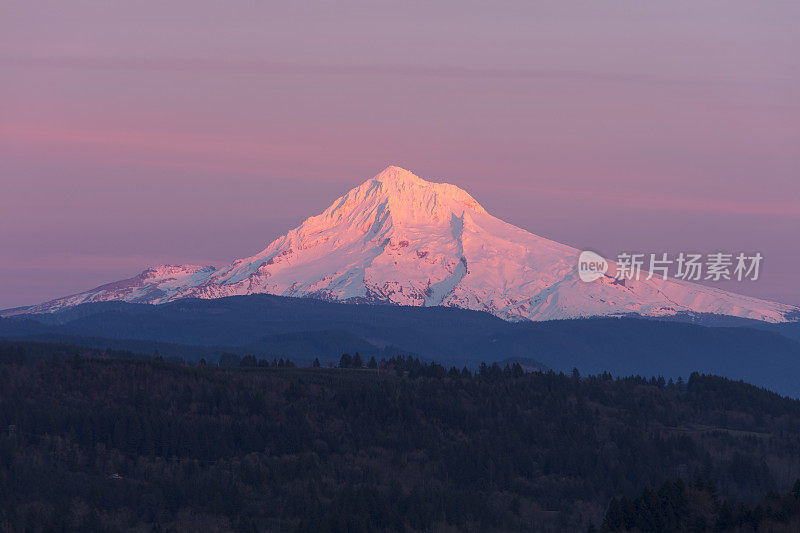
(140,133)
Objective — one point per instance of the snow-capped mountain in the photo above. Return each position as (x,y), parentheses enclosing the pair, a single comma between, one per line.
(399,239)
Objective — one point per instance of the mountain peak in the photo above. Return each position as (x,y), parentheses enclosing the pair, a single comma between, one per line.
(395,174)
(409,194)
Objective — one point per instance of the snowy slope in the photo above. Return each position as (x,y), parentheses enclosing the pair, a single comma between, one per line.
(399,239)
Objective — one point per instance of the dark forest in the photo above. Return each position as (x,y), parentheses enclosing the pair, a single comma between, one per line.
(107,441)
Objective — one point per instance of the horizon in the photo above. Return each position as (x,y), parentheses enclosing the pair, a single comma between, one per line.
(135,136)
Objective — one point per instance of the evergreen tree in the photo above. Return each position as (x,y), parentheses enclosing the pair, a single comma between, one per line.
(248,361)
(229,359)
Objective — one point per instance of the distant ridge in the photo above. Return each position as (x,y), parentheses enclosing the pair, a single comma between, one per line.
(303,328)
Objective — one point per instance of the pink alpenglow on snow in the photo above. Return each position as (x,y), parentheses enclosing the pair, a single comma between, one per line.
(399,239)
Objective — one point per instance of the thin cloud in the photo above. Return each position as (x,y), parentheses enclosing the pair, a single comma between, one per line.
(665,202)
(81,262)
(270,67)
(231,152)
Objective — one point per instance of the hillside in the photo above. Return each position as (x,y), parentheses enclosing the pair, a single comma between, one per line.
(121,442)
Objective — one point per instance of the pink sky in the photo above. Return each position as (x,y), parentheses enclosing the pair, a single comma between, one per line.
(139,133)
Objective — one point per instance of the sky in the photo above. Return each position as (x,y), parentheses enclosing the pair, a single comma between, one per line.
(140,133)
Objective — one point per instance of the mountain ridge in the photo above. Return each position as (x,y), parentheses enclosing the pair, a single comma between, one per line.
(399,239)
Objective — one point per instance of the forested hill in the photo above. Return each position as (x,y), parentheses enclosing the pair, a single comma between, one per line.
(107,441)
